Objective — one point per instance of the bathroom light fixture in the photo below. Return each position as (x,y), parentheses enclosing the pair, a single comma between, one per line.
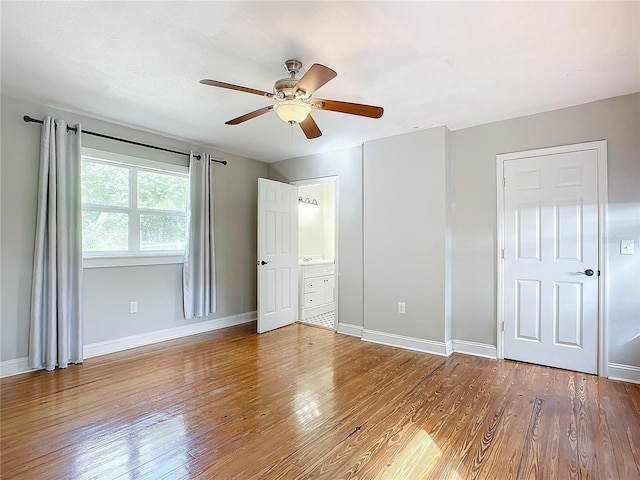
(292,111)
(308,201)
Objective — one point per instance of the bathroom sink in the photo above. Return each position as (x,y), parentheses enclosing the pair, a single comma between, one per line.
(320,261)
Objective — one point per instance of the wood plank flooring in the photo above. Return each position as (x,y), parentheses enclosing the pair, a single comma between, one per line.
(303,402)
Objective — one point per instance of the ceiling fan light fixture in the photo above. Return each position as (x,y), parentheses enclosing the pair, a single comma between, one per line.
(293,98)
(292,111)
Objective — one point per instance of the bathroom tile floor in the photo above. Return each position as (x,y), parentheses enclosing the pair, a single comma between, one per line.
(324,320)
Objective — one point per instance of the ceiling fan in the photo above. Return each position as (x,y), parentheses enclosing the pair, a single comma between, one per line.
(293,98)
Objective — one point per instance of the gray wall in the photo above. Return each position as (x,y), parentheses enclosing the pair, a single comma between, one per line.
(472,222)
(473,155)
(405,235)
(397,174)
(107,291)
(347,165)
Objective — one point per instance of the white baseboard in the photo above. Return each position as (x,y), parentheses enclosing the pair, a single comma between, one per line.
(15,366)
(625,373)
(409,343)
(348,329)
(473,348)
(125,343)
(20,365)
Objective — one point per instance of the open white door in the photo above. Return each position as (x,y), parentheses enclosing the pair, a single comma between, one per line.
(277,254)
(551,257)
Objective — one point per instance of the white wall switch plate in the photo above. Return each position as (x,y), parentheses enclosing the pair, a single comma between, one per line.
(401,307)
(133,307)
(627,247)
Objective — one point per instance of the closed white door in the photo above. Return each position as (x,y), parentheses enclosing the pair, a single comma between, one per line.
(277,254)
(550,267)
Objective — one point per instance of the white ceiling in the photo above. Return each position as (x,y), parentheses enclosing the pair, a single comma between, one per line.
(427,63)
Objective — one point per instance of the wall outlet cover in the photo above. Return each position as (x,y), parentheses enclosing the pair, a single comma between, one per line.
(627,247)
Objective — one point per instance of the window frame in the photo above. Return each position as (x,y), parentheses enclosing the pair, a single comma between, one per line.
(134,255)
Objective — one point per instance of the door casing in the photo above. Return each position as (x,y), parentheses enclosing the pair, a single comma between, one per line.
(601,148)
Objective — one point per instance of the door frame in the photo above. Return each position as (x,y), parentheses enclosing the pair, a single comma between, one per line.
(600,147)
(335,179)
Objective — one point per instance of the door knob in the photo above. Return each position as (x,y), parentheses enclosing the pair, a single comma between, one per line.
(262,262)
(588,272)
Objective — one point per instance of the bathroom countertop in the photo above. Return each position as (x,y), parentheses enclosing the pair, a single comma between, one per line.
(316,262)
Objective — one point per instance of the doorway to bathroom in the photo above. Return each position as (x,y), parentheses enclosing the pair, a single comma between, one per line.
(317,252)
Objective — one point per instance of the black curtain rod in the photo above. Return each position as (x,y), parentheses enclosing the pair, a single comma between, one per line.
(29,119)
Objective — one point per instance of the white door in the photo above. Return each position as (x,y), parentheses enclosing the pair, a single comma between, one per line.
(277,254)
(550,268)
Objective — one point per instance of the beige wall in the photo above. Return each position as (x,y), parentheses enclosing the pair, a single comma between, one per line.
(107,291)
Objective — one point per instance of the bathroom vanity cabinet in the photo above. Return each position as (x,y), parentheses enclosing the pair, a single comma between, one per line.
(317,282)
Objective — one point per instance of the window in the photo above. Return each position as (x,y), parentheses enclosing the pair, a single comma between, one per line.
(134,211)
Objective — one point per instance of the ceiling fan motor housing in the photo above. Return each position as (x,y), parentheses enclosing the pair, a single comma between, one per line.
(283,88)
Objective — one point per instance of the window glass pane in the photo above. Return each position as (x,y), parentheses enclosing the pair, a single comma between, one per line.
(105,231)
(162,232)
(105,184)
(162,192)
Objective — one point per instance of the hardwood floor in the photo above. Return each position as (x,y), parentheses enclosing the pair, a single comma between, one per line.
(304,402)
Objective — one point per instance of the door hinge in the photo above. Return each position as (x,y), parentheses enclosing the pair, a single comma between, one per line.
(504,182)
(502,254)
(502,326)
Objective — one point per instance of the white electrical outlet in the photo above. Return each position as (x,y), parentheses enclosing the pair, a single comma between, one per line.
(627,247)
(401,307)
(133,307)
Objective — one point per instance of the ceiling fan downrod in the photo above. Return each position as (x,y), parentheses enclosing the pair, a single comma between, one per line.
(292,66)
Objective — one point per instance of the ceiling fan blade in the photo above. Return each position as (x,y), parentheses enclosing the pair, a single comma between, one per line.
(315,77)
(310,128)
(350,108)
(230,86)
(249,116)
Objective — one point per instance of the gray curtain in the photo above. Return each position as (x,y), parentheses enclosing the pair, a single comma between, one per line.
(55,335)
(199,268)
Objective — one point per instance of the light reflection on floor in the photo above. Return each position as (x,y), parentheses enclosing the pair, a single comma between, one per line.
(314,388)
(147,449)
(306,409)
(417,460)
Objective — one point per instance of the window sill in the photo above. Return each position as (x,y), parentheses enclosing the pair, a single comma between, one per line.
(130,260)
